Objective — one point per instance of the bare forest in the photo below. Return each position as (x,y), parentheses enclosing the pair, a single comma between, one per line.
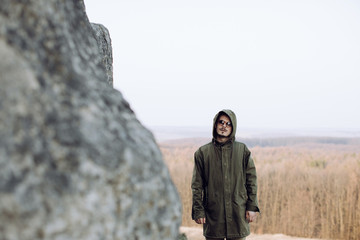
(307,187)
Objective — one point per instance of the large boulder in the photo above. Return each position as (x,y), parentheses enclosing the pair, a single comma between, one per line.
(75,163)
(104,42)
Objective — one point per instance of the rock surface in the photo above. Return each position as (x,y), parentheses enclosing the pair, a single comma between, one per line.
(104,42)
(75,163)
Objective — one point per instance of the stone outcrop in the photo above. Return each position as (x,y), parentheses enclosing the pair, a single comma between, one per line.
(75,163)
(104,42)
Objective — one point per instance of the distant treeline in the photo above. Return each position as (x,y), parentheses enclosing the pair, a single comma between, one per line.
(291,141)
(269,142)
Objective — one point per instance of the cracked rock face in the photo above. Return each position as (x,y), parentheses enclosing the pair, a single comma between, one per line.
(75,163)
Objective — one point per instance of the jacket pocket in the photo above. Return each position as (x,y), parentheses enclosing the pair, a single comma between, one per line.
(239,199)
(213,207)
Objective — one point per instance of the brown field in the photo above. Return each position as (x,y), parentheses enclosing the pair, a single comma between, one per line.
(307,187)
(195,233)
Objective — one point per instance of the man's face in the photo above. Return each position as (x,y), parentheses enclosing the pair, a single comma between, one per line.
(223,126)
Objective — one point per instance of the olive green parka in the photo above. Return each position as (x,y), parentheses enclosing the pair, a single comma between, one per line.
(224,185)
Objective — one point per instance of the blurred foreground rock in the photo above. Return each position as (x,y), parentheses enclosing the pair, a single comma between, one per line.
(75,163)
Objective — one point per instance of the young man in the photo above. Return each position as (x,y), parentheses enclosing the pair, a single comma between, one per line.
(224,183)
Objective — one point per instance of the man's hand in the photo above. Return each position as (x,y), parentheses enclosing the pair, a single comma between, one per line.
(200,221)
(250,216)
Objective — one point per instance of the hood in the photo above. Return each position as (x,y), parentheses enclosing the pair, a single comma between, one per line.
(232,117)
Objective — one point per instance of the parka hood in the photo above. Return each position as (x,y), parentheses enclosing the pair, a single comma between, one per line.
(232,117)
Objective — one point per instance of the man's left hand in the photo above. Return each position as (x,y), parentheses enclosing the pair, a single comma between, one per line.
(250,216)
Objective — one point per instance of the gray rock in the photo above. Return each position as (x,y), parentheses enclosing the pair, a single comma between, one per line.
(182,236)
(75,163)
(103,39)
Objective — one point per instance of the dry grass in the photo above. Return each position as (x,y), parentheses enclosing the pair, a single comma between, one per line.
(196,233)
(306,189)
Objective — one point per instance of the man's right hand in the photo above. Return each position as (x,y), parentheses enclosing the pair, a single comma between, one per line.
(200,221)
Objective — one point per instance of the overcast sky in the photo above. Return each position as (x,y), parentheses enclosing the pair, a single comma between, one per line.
(276,63)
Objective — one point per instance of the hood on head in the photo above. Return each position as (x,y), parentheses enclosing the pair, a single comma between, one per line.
(232,117)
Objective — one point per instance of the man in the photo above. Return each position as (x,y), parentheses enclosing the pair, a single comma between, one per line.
(224,183)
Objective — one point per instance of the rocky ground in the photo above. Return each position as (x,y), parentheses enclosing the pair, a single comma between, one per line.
(196,234)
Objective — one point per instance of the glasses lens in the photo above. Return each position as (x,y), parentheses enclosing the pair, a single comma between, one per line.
(222,122)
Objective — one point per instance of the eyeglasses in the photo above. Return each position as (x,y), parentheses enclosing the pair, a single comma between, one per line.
(222,122)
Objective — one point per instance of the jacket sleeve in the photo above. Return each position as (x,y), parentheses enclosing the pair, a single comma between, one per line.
(197,186)
(251,183)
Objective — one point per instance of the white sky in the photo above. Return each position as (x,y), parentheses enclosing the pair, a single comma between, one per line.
(276,63)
